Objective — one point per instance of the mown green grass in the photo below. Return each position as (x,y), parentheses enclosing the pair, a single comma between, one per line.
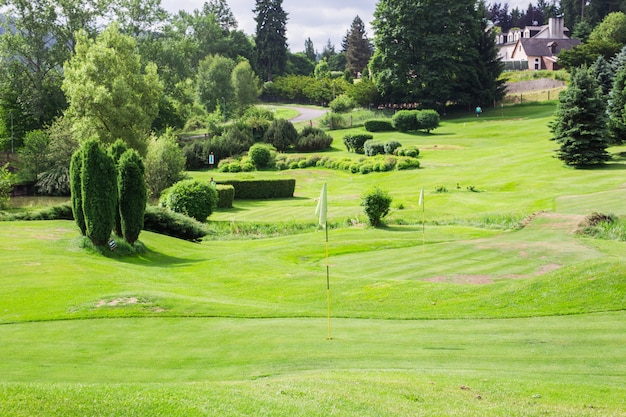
(469,315)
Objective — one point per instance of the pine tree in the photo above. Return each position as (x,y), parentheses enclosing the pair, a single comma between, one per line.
(617,107)
(580,125)
(271,40)
(358,48)
(603,72)
(309,50)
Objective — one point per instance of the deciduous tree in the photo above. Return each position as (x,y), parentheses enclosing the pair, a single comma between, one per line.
(111,94)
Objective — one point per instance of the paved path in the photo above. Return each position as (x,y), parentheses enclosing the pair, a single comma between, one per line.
(306,113)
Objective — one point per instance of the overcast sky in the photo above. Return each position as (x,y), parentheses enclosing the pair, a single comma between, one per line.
(319,20)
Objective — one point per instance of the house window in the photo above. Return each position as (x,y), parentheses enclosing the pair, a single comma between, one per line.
(537,64)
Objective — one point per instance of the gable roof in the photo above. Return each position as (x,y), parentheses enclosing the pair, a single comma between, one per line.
(546,47)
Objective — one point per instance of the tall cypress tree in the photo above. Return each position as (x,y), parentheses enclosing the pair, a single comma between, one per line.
(76,167)
(133,195)
(580,125)
(358,48)
(99,192)
(271,39)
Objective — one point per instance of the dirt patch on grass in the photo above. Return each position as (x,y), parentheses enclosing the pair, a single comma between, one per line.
(130,301)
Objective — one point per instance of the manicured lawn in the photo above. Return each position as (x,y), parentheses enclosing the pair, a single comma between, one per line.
(464,317)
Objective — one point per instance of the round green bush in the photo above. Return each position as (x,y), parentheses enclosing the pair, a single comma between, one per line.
(405,120)
(192,198)
(260,155)
(376,203)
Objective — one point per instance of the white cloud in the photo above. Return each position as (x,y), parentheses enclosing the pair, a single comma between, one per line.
(320,20)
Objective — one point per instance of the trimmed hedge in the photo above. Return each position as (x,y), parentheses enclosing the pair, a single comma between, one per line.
(166,222)
(225,196)
(262,189)
(378,126)
(192,198)
(405,120)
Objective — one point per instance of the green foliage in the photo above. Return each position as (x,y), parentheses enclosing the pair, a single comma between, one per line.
(196,156)
(382,125)
(262,189)
(617,107)
(258,119)
(111,94)
(427,119)
(281,135)
(411,71)
(376,204)
(133,194)
(270,39)
(116,149)
(373,147)
(391,146)
(34,155)
(98,192)
(313,139)
(54,182)
(405,120)
(213,84)
(246,86)
(164,163)
(76,168)
(407,162)
(225,195)
(6,186)
(355,142)
(411,151)
(333,121)
(343,103)
(236,140)
(166,222)
(358,47)
(580,126)
(191,198)
(260,155)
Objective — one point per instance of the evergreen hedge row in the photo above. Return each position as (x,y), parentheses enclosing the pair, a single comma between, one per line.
(262,189)
(225,196)
(133,194)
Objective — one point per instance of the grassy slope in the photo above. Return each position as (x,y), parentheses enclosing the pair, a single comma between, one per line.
(238,327)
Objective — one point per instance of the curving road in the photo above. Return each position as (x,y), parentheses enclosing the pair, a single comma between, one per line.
(306,113)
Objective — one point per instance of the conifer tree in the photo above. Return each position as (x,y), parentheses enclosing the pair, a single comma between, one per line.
(580,126)
(358,48)
(617,107)
(131,184)
(76,166)
(271,39)
(99,192)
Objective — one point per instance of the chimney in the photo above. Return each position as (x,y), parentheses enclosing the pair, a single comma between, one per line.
(555,28)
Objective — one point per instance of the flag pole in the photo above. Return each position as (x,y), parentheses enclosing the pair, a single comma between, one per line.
(422,203)
(321,211)
(327,281)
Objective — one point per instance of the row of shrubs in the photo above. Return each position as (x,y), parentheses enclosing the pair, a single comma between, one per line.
(362,165)
(406,121)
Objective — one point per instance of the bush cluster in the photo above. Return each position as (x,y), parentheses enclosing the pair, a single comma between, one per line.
(412,151)
(260,155)
(313,139)
(411,120)
(373,147)
(355,143)
(378,125)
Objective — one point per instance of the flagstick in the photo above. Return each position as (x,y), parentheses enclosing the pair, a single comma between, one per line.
(423,225)
(327,281)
